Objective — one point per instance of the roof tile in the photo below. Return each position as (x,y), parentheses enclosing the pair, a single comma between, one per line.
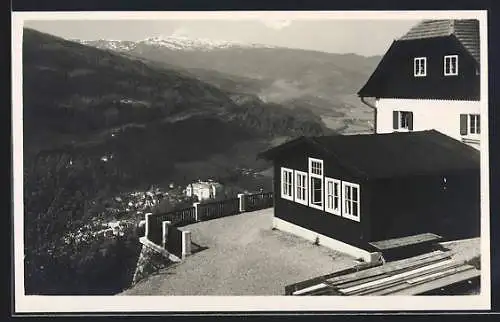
(465,30)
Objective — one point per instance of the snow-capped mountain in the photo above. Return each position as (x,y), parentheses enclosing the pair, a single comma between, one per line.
(179,43)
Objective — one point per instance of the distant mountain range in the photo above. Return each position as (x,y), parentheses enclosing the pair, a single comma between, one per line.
(170,42)
(274,74)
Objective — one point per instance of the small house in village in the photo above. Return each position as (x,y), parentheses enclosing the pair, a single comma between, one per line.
(430,79)
(347,191)
(204,190)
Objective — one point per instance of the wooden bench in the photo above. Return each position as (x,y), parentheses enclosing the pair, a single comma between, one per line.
(407,241)
(407,246)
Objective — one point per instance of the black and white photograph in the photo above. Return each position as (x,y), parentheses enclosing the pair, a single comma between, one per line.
(250,161)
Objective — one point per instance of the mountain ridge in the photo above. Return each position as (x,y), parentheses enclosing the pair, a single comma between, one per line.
(275,74)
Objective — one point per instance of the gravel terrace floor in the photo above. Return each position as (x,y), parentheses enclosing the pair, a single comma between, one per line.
(244,257)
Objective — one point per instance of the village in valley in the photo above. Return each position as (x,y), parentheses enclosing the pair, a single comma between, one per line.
(387,205)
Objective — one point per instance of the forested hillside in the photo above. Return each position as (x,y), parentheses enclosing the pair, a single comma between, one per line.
(98,125)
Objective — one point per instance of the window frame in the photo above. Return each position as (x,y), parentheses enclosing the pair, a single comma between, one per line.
(315,176)
(282,182)
(417,63)
(449,58)
(477,124)
(332,209)
(304,175)
(399,119)
(407,120)
(358,201)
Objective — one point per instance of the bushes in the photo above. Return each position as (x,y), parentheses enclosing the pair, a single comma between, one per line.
(57,203)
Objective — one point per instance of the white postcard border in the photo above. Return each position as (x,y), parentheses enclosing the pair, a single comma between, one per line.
(123,304)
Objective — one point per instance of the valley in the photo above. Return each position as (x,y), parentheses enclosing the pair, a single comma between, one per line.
(101,123)
(324,83)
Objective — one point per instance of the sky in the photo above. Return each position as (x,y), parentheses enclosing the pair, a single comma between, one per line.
(364,37)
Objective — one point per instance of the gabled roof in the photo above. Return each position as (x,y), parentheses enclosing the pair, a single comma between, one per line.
(375,156)
(465,30)
(464,33)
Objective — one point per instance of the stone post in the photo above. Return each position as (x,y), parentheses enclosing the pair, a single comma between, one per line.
(241,196)
(196,213)
(164,229)
(186,243)
(148,223)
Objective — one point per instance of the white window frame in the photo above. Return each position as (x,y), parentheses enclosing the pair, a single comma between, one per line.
(477,118)
(317,176)
(345,214)
(419,62)
(332,209)
(282,182)
(447,61)
(297,175)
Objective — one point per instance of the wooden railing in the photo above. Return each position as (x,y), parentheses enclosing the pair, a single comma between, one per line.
(217,209)
(176,218)
(258,201)
(205,211)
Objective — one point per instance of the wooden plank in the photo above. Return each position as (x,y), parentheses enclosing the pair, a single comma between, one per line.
(310,289)
(361,281)
(396,277)
(434,276)
(426,277)
(439,283)
(390,267)
(396,284)
(323,292)
(405,241)
(289,289)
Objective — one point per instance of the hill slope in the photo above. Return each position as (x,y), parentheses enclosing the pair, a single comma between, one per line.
(324,83)
(72,88)
(98,125)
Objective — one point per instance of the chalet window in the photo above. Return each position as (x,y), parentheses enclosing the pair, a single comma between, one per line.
(470,124)
(332,196)
(350,201)
(402,120)
(301,187)
(420,66)
(286,183)
(316,183)
(451,65)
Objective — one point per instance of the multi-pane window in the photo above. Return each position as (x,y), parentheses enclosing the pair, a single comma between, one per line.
(474,124)
(350,201)
(451,65)
(301,187)
(332,196)
(316,167)
(316,183)
(420,66)
(287,183)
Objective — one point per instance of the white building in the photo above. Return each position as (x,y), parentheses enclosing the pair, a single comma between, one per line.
(429,79)
(204,190)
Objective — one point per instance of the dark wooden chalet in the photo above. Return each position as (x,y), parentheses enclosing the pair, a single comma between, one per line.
(361,188)
(443,47)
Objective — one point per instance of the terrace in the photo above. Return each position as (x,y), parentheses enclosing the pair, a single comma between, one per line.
(242,255)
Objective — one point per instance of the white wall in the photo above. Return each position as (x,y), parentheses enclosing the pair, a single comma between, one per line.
(441,115)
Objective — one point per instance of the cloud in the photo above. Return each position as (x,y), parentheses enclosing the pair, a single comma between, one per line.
(180,32)
(277,24)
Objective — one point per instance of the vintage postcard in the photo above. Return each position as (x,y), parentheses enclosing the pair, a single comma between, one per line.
(250,161)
